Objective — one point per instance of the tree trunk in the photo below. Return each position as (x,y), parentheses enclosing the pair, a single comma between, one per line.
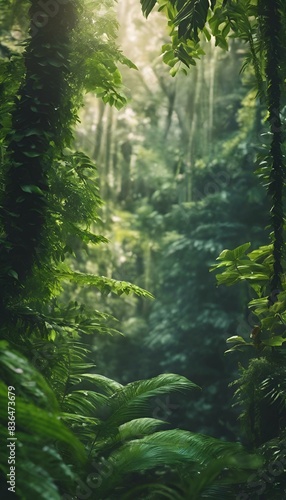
(40,123)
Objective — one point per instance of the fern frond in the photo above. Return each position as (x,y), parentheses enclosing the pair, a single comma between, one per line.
(134,429)
(104,384)
(178,449)
(117,410)
(85,235)
(139,427)
(132,401)
(87,403)
(105,285)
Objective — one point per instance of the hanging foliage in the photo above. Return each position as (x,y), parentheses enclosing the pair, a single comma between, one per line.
(40,129)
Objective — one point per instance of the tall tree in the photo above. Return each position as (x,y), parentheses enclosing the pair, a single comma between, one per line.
(40,125)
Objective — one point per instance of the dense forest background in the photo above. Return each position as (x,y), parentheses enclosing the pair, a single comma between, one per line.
(176,175)
(128,153)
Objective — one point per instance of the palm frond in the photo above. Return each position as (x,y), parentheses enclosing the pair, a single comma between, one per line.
(134,429)
(197,447)
(202,456)
(102,383)
(87,403)
(115,414)
(139,427)
(85,428)
(132,401)
(45,447)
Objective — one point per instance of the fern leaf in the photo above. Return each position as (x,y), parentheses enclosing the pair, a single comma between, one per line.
(84,403)
(105,285)
(105,384)
(139,427)
(129,402)
(176,448)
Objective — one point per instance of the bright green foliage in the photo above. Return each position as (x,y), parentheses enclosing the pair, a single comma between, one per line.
(111,422)
(261,396)
(48,193)
(204,457)
(49,203)
(96,53)
(241,266)
(42,439)
(106,413)
(172,219)
(193,21)
(255,268)
(106,417)
(105,285)
(262,27)
(58,206)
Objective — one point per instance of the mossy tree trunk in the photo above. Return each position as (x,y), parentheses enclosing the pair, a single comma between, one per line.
(40,121)
(272,29)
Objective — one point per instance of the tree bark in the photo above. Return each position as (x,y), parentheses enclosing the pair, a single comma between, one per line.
(40,122)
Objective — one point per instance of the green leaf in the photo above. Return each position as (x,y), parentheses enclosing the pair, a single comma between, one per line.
(139,427)
(106,285)
(32,154)
(13,273)
(107,385)
(236,338)
(191,18)
(169,57)
(221,42)
(132,401)
(124,60)
(226,255)
(228,278)
(32,189)
(276,341)
(240,251)
(178,447)
(147,6)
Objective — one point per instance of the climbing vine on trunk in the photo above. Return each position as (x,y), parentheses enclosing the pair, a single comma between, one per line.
(40,128)
(271,27)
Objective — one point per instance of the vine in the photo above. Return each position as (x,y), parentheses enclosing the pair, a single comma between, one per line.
(271,27)
(40,120)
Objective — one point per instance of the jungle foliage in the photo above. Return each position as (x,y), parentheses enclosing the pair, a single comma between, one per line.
(79,433)
(261,25)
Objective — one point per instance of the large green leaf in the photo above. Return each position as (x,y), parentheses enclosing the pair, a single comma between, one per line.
(105,384)
(15,370)
(43,440)
(132,401)
(176,448)
(191,18)
(147,6)
(40,422)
